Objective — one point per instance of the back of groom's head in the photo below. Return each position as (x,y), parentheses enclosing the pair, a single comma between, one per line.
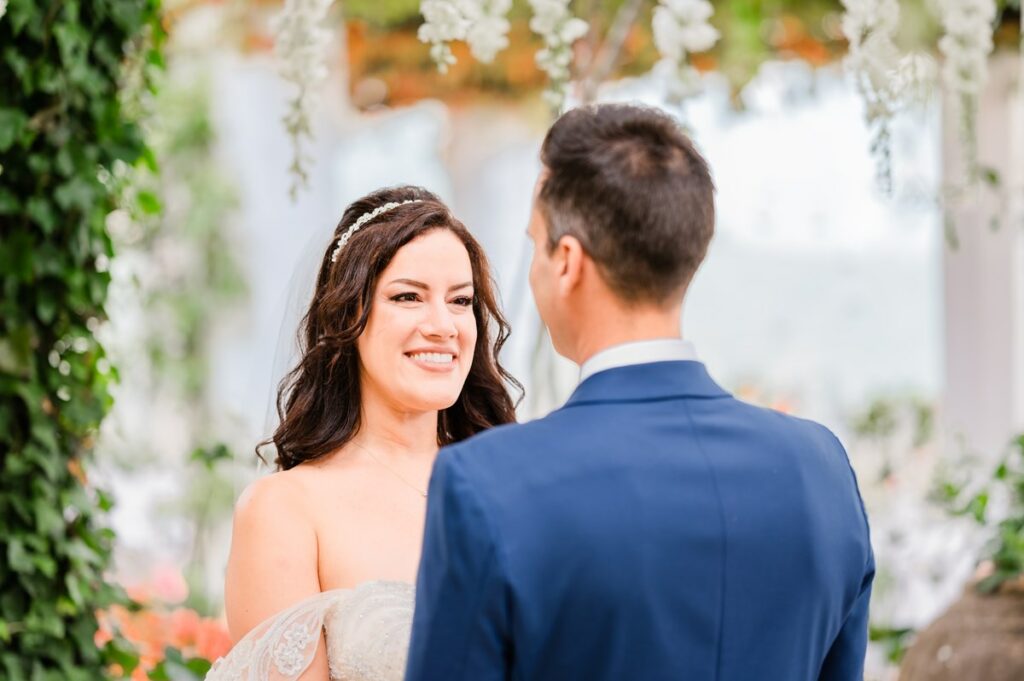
(629,184)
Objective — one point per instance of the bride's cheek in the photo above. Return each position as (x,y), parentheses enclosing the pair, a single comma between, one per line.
(468,334)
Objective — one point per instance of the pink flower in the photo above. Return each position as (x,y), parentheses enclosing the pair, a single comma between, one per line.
(168,584)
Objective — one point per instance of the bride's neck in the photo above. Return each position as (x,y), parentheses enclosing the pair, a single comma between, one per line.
(395,432)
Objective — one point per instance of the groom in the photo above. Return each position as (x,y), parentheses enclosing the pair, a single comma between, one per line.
(654,527)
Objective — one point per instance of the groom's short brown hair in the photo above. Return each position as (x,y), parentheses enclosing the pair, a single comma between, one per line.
(629,184)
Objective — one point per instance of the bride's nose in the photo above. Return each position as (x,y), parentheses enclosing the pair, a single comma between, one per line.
(438,322)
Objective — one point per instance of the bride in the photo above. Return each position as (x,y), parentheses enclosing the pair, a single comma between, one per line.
(396,360)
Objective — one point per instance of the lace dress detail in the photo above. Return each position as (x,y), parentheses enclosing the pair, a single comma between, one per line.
(367,630)
(368,637)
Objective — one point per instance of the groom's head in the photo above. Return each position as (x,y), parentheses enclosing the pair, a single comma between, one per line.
(623,214)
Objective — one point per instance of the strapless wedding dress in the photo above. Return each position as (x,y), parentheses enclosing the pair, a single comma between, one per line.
(366,629)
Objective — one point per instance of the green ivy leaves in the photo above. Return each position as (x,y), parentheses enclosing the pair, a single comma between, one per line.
(63,125)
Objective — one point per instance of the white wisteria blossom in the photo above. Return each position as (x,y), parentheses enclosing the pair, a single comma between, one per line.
(965,45)
(874,60)
(443,22)
(300,42)
(681,28)
(870,26)
(488,35)
(3,8)
(916,77)
(553,21)
(481,23)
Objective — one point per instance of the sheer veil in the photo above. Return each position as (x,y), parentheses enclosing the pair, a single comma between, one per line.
(293,304)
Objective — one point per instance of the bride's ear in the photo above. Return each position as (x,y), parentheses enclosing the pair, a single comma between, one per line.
(569,256)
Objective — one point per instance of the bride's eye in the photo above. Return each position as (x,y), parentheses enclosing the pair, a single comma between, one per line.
(464,301)
(405,298)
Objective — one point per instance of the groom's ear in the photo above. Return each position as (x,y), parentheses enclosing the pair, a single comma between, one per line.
(569,255)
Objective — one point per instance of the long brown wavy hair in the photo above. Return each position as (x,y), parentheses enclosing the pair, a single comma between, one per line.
(319,402)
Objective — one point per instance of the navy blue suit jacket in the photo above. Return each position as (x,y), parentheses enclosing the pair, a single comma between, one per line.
(652,528)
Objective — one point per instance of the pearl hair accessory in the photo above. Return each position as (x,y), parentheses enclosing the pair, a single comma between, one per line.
(363,219)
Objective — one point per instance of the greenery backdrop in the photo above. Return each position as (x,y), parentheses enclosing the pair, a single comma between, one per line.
(73,77)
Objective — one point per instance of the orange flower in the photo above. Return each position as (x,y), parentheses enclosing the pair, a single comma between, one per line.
(212,640)
(183,627)
(140,593)
(153,630)
(104,632)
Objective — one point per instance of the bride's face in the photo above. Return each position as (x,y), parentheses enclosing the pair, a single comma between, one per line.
(417,348)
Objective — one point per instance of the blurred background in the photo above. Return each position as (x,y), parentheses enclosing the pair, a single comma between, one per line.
(867,271)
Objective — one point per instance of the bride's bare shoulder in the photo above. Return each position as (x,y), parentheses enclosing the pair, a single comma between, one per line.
(297,491)
(279,495)
(273,558)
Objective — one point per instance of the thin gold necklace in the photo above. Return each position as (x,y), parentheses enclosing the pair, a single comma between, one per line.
(393,472)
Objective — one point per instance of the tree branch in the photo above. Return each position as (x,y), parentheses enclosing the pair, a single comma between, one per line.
(605,61)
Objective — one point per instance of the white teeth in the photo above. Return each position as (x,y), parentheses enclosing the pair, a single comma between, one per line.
(434,357)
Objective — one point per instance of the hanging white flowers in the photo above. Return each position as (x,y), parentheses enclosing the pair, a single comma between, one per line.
(300,42)
(443,22)
(553,22)
(870,27)
(488,35)
(966,45)
(481,23)
(916,77)
(3,8)
(681,28)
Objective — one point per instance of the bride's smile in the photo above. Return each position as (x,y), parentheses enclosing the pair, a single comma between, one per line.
(433,360)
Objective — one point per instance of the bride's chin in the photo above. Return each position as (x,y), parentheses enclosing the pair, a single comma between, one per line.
(414,397)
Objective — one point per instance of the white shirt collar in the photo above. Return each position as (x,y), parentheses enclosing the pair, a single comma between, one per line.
(638,352)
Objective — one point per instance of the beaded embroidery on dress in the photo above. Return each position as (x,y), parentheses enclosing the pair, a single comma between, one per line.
(367,630)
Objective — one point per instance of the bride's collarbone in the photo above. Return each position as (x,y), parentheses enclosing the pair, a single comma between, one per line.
(367,529)
(360,487)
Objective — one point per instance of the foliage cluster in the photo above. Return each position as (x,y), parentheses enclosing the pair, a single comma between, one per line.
(998,504)
(73,76)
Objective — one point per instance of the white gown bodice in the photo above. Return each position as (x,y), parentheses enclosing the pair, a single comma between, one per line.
(367,632)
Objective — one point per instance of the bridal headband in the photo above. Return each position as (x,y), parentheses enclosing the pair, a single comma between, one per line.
(363,219)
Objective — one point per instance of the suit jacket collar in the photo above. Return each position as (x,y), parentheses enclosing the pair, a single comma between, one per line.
(644,382)
(638,352)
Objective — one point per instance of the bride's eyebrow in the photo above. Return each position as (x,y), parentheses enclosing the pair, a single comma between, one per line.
(421,285)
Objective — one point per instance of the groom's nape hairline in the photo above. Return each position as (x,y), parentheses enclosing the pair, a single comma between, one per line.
(632,187)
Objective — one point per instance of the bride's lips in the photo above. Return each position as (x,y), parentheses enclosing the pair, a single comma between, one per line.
(432,359)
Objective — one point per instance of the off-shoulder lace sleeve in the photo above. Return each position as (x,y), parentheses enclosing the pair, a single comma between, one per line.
(280,648)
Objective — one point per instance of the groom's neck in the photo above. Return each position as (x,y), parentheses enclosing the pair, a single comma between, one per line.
(617,324)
